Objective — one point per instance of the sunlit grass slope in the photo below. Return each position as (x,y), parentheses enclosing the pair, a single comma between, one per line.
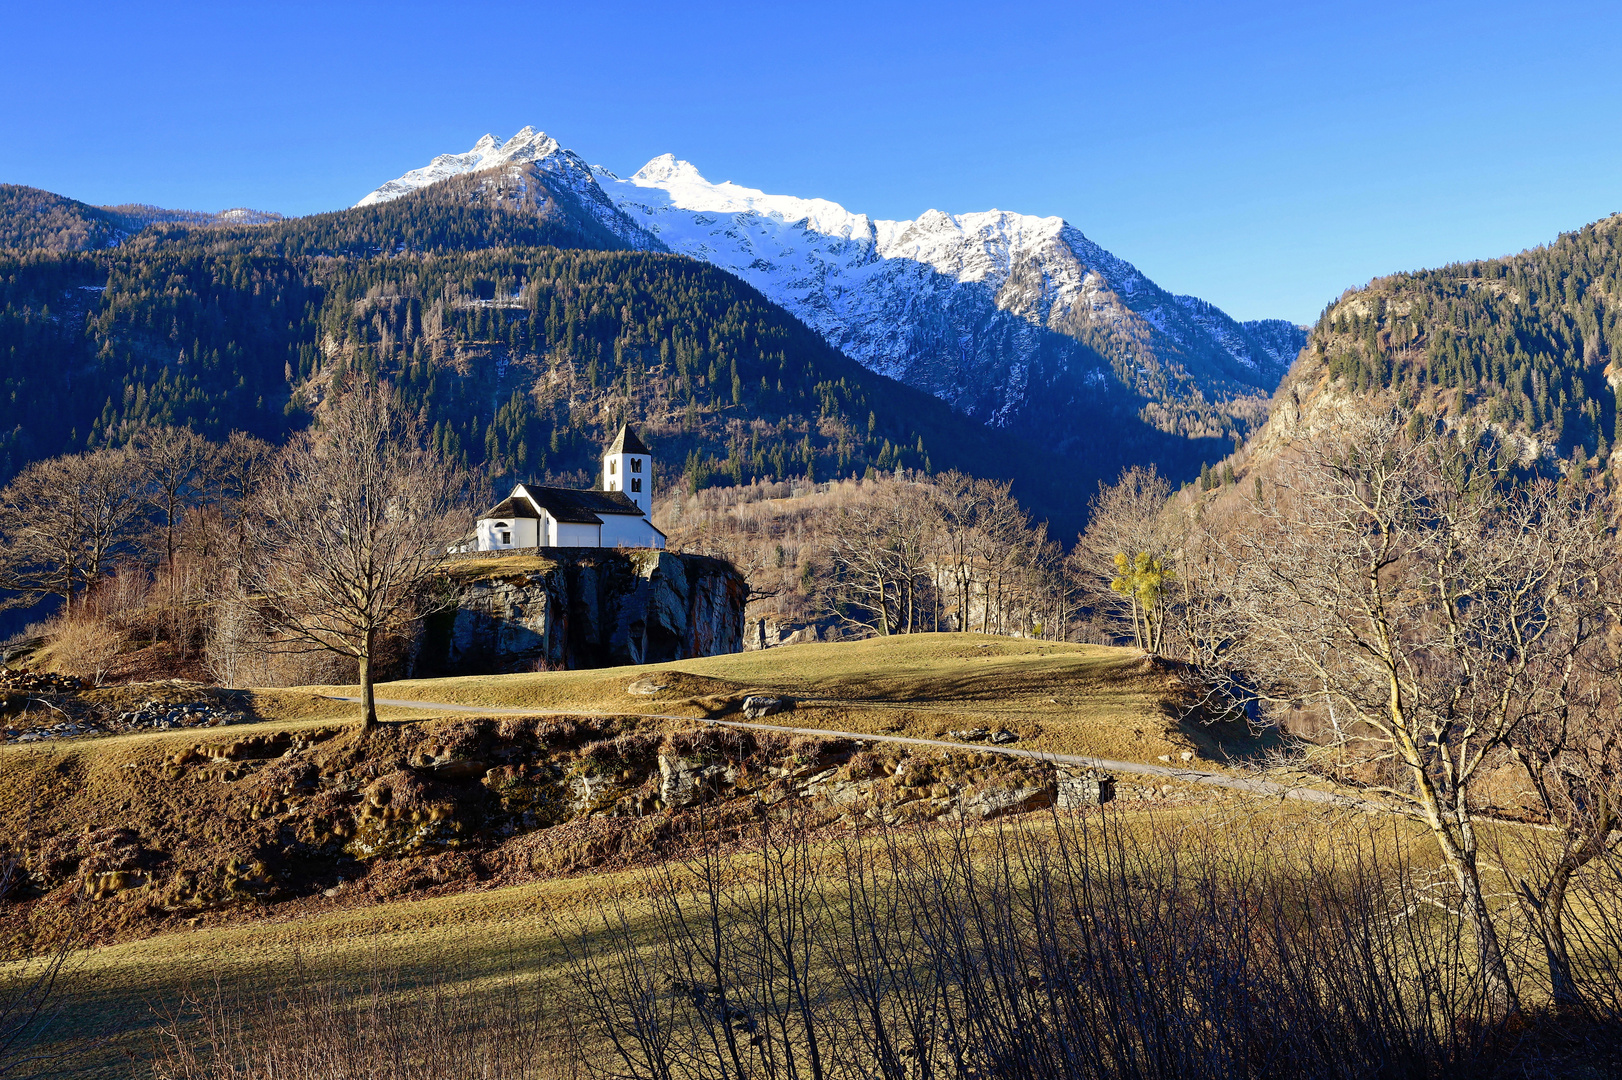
(1077,699)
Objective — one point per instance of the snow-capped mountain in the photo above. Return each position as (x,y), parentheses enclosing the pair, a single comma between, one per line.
(1016,320)
(561,167)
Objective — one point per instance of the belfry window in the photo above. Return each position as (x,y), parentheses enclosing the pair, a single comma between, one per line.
(636,464)
(613,467)
(636,484)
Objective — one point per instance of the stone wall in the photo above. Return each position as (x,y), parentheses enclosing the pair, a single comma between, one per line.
(590,607)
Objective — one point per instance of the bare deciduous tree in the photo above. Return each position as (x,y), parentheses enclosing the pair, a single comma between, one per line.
(63,523)
(240,466)
(350,524)
(1402,584)
(1127,553)
(1571,748)
(880,549)
(174,462)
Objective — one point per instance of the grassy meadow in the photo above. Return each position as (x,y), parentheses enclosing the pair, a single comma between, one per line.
(1070,699)
(482,939)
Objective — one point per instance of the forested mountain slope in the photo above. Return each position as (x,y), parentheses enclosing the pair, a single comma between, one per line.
(35,220)
(522,357)
(514,205)
(1526,346)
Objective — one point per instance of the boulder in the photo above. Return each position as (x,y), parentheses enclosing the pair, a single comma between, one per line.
(756,706)
(685,781)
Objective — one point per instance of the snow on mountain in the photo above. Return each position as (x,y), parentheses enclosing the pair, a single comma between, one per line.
(1010,317)
(560,166)
(959,304)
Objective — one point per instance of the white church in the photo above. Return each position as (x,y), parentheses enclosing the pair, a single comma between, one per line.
(616,516)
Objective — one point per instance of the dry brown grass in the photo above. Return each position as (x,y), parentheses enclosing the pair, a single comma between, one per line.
(1073,699)
(468,942)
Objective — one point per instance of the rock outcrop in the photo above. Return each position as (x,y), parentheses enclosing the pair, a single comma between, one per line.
(584,608)
(237,821)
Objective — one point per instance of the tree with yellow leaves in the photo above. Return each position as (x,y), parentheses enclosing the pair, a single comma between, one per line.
(1143,579)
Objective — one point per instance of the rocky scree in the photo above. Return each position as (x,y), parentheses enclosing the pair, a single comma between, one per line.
(63,713)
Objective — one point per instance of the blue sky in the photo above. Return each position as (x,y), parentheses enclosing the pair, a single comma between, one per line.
(1264,156)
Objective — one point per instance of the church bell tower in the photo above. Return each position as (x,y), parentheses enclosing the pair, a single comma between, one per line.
(628,467)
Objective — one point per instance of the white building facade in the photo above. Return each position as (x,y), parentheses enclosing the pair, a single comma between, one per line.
(542,517)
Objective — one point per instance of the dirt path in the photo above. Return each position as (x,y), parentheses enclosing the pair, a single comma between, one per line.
(1248,785)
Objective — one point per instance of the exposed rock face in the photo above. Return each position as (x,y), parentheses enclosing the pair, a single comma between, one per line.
(261,818)
(593,608)
(770,631)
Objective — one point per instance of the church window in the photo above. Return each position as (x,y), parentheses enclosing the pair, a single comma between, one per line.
(613,467)
(636,485)
(636,464)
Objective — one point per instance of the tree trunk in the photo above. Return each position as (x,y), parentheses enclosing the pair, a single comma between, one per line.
(1461,860)
(1548,920)
(1546,908)
(368,693)
(1494,970)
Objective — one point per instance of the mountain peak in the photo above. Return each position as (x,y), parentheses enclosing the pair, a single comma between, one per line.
(668,167)
(488,153)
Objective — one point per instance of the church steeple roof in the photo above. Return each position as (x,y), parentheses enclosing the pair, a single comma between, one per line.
(626,442)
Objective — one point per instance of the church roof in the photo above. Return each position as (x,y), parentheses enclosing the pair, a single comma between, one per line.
(626,442)
(510,507)
(581,507)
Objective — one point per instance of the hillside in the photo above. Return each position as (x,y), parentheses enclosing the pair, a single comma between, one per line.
(225,824)
(35,220)
(1525,345)
(523,356)
(517,205)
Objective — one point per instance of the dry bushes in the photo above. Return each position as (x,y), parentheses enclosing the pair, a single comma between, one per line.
(1064,949)
(1077,946)
(87,647)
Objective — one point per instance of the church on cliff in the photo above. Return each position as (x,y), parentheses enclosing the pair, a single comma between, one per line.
(616,515)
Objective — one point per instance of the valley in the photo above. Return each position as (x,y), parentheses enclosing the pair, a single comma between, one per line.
(1051,674)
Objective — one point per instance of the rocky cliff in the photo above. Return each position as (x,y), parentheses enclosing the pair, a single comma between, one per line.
(583,608)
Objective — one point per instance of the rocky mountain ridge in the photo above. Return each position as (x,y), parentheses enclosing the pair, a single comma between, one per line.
(554,165)
(1018,321)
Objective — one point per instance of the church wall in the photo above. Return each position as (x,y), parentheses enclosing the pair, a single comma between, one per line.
(567,535)
(525,532)
(623,530)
